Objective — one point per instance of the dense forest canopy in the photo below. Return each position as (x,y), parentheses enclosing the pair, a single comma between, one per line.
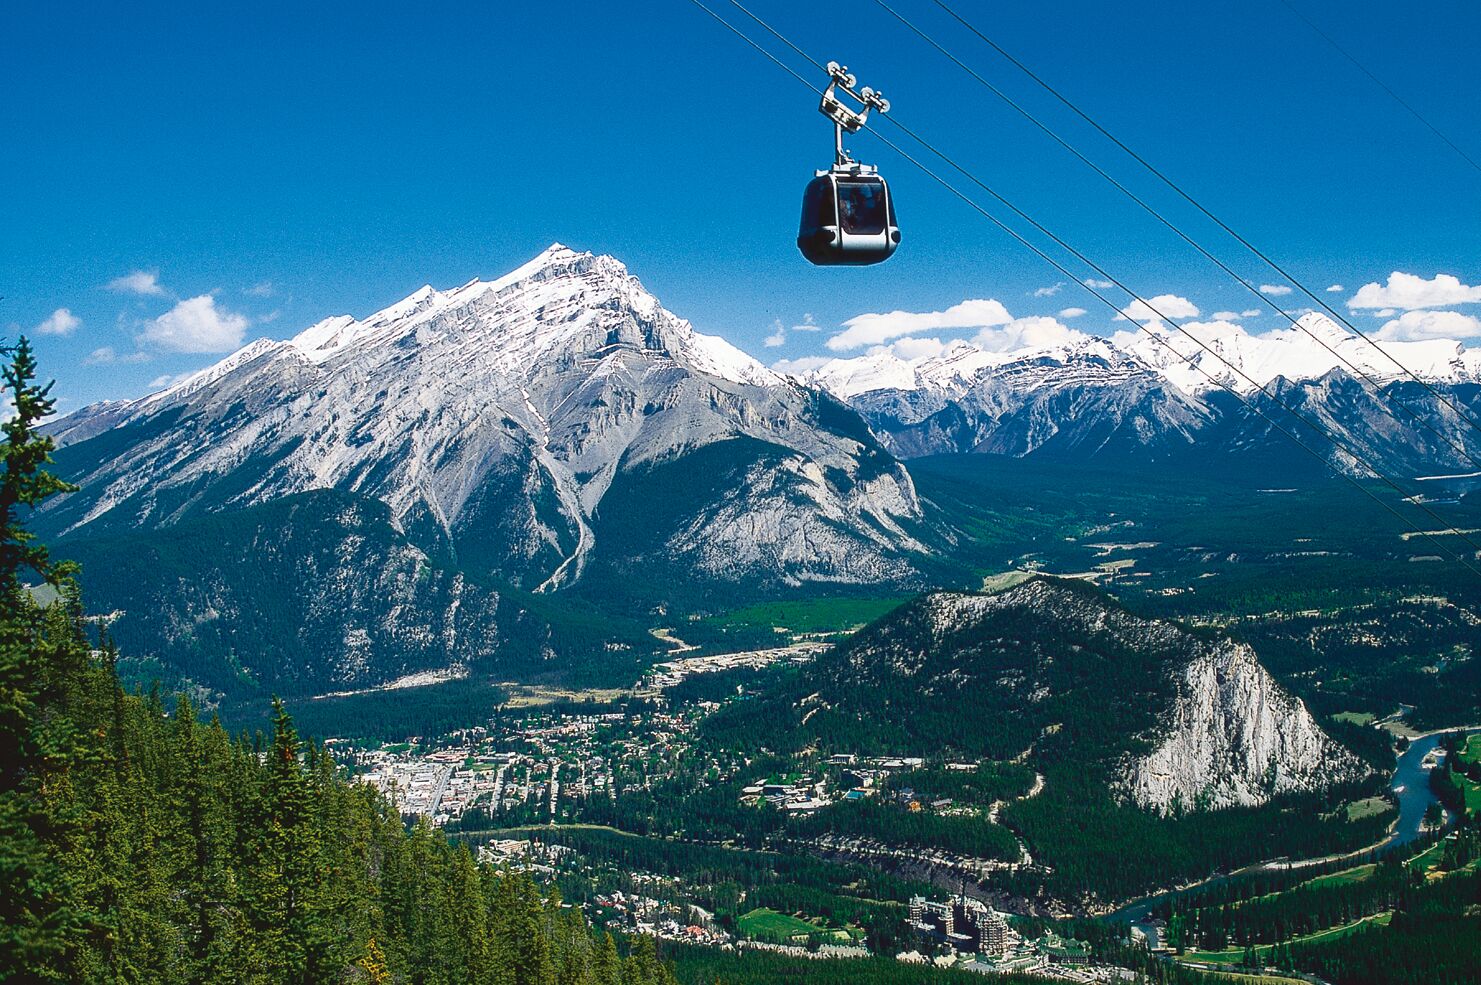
(139,844)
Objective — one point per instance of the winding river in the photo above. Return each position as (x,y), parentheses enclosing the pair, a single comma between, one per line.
(1411,787)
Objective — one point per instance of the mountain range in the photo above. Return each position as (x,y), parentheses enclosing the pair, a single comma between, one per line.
(516,425)
(1157,395)
(393,495)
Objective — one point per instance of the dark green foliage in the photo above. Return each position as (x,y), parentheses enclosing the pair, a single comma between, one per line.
(1111,850)
(234,601)
(1252,542)
(25,483)
(138,845)
(431,710)
(1434,939)
(865,705)
(40,918)
(694,966)
(1036,678)
(1301,911)
(894,824)
(194,858)
(731,881)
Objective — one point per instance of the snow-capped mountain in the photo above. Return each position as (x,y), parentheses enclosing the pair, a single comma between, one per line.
(1161,395)
(526,425)
(1319,346)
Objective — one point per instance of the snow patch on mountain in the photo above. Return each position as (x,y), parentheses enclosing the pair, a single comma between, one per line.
(500,412)
(1233,357)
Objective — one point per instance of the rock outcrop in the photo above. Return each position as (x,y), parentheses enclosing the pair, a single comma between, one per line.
(1235,737)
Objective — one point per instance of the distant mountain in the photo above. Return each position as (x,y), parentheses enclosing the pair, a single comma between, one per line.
(1135,398)
(1058,672)
(503,422)
(552,428)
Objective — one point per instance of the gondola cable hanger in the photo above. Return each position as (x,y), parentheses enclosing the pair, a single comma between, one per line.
(1189,358)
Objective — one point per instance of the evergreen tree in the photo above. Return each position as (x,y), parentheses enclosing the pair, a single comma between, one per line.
(39,921)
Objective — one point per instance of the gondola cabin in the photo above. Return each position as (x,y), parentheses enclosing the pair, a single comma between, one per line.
(848,218)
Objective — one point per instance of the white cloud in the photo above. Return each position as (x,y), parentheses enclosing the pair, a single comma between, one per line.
(1049,292)
(801,365)
(1205,331)
(168,379)
(1072,312)
(59,322)
(1100,284)
(106,355)
(263,289)
(1275,290)
(1414,326)
(1162,306)
(1384,313)
(1336,289)
(142,282)
(1034,332)
(916,348)
(1226,316)
(779,331)
(873,329)
(1409,292)
(196,325)
(1250,313)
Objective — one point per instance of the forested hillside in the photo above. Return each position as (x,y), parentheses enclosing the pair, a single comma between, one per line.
(138,844)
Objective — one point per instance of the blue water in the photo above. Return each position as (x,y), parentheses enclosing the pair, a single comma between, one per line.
(1411,786)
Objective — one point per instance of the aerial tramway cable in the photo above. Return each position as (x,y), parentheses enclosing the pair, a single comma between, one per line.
(1381,84)
(1373,385)
(1263,388)
(1112,305)
(1209,214)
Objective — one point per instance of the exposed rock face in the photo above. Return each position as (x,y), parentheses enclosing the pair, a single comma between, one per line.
(1235,737)
(1164,714)
(495,420)
(307,594)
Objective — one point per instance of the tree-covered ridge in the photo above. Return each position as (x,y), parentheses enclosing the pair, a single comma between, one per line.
(1034,664)
(138,844)
(232,601)
(1050,672)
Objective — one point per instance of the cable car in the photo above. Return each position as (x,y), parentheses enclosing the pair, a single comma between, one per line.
(848,215)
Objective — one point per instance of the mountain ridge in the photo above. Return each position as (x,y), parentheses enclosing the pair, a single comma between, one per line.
(1137,401)
(495,417)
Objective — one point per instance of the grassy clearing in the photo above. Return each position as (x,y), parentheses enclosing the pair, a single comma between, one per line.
(1378,920)
(1473,796)
(1371,807)
(1343,878)
(810,615)
(1355,717)
(529,696)
(1004,581)
(1424,860)
(767,924)
(1234,955)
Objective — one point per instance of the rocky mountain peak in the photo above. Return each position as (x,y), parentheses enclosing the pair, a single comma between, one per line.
(499,415)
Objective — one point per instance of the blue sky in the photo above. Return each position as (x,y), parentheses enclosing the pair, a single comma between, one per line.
(264,166)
